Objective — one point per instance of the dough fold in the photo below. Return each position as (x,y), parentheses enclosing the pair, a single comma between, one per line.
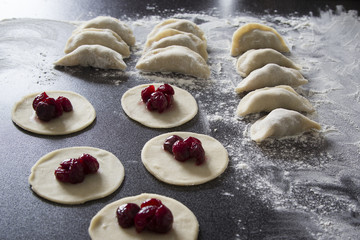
(256,36)
(280,123)
(270,98)
(271,75)
(257,58)
(176,59)
(96,56)
(94,36)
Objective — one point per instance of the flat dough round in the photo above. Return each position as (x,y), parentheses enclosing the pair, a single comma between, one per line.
(184,108)
(164,167)
(101,184)
(104,224)
(82,115)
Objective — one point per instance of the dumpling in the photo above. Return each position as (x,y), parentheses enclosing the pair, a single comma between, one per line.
(280,123)
(269,98)
(271,75)
(178,24)
(95,56)
(92,36)
(169,37)
(177,59)
(106,22)
(257,58)
(256,36)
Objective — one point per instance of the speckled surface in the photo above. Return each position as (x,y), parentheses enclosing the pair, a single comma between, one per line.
(304,188)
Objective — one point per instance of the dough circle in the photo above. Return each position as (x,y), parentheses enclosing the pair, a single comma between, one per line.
(184,108)
(164,167)
(83,115)
(104,224)
(101,184)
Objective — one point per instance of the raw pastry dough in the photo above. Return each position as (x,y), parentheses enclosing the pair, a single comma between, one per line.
(271,75)
(267,99)
(94,36)
(178,24)
(106,22)
(257,58)
(96,56)
(82,116)
(255,36)
(279,123)
(101,184)
(164,167)
(184,108)
(169,37)
(177,59)
(104,224)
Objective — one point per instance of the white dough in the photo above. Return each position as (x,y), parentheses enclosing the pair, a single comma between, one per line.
(280,123)
(104,224)
(169,37)
(256,36)
(271,75)
(96,56)
(164,167)
(106,22)
(184,108)
(176,59)
(257,58)
(94,36)
(82,115)
(98,185)
(269,98)
(178,24)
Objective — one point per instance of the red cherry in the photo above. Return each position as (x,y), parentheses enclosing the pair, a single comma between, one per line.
(146,93)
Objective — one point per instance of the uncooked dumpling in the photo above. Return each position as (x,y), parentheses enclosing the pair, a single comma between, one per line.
(164,167)
(176,59)
(106,22)
(94,56)
(280,123)
(169,37)
(98,185)
(104,224)
(256,36)
(257,58)
(271,75)
(82,116)
(183,109)
(268,99)
(93,36)
(178,24)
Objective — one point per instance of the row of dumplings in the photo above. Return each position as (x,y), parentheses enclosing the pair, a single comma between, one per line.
(102,42)
(268,79)
(176,45)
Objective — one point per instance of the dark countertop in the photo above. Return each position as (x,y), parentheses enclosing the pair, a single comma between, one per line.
(272,191)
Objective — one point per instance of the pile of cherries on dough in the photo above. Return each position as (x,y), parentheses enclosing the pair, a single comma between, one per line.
(158,100)
(73,170)
(47,108)
(185,149)
(152,215)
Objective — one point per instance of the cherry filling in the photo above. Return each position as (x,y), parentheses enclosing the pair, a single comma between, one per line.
(126,213)
(47,108)
(73,170)
(152,215)
(185,149)
(158,99)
